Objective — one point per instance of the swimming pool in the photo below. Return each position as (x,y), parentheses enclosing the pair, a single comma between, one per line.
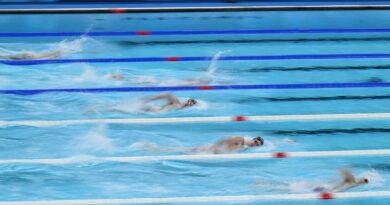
(288,65)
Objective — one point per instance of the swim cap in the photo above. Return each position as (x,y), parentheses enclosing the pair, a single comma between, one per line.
(192,101)
(259,139)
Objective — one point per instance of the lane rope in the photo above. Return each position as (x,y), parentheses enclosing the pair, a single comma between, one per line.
(192,32)
(200,58)
(201,157)
(204,199)
(48,123)
(198,88)
(121,11)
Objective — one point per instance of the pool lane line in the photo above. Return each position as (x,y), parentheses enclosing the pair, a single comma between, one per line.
(210,199)
(201,58)
(191,32)
(175,120)
(198,88)
(124,10)
(202,157)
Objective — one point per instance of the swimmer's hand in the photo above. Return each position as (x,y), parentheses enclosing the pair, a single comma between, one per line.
(290,141)
(260,183)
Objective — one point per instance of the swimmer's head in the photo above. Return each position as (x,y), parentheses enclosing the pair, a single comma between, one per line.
(255,142)
(117,76)
(258,140)
(363,181)
(190,102)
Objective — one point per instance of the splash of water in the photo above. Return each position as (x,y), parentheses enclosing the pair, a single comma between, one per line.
(129,107)
(203,79)
(69,47)
(214,62)
(200,105)
(87,75)
(303,186)
(374,178)
(96,140)
(144,79)
(144,146)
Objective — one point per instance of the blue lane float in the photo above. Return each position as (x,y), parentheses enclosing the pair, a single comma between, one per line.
(200,88)
(192,32)
(198,58)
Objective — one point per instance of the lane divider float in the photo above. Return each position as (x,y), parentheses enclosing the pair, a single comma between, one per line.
(173,120)
(202,157)
(210,199)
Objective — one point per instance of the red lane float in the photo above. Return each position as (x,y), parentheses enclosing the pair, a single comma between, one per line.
(280,155)
(118,11)
(326,196)
(239,118)
(206,87)
(143,33)
(173,58)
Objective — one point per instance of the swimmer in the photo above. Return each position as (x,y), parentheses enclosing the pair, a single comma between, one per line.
(172,102)
(32,56)
(117,76)
(152,81)
(349,181)
(231,144)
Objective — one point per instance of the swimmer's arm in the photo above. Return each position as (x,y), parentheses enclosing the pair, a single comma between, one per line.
(235,144)
(49,54)
(348,181)
(340,187)
(118,110)
(170,98)
(193,81)
(347,176)
(229,144)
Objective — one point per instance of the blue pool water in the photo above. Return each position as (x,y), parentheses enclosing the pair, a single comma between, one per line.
(89,179)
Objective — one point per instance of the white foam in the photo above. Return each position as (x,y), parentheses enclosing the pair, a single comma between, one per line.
(87,75)
(214,62)
(129,107)
(202,79)
(96,140)
(300,186)
(374,178)
(143,146)
(69,47)
(201,105)
(268,146)
(143,79)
